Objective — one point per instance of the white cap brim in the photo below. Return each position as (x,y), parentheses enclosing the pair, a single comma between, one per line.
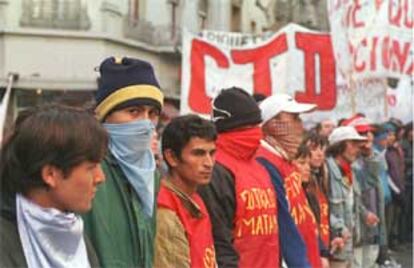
(345,133)
(297,108)
(277,103)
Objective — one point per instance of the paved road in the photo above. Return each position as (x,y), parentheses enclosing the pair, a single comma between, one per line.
(404,255)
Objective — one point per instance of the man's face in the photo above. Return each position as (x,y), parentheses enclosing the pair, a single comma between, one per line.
(391,138)
(317,156)
(352,149)
(327,126)
(75,192)
(195,165)
(270,126)
(383,142)
(288,117)
(133,113)
(366,147)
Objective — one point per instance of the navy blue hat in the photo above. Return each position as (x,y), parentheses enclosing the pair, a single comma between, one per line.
(126,82)
(234,108)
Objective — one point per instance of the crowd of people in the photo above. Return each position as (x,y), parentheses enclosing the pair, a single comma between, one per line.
(249,187)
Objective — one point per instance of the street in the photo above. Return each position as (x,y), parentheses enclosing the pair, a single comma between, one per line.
(404,255)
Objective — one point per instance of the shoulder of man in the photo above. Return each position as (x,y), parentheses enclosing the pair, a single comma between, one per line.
(11,250)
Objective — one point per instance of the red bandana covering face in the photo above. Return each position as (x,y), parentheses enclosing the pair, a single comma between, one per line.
(284,134)
(241,143)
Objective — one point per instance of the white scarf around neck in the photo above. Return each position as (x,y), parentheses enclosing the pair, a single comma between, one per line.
(49,237)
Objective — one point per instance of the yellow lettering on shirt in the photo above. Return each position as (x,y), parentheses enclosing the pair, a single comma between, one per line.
(258,198)
(264,224)
(209,258)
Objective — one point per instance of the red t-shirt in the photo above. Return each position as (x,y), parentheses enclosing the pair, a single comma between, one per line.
(256,233)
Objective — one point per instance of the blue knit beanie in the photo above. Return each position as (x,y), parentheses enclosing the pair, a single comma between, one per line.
(126,82)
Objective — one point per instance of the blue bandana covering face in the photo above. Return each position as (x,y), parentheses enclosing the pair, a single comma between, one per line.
(130,144)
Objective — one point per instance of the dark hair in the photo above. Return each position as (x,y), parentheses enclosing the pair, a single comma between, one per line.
(407,128)
(340,121)
(259,97)
(303,151)
(397,123)
(336,149)
(181,129)
(313,140)
(319,176)
(56,135)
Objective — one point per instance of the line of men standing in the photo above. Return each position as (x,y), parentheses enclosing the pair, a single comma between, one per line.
(232,195)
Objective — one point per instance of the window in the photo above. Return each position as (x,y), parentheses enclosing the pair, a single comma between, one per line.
(29,98)
(202,13)
(235,18)
(253,27)
(174,18)
(134,11)
(62,14)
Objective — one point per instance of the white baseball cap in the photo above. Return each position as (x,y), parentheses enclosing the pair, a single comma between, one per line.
(345,133)
(273,105)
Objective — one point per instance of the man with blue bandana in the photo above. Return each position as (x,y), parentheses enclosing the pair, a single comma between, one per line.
(121,223)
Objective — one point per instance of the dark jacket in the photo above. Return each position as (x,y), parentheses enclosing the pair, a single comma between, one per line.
(316,210)
(395,161)
(220,198)
(408,162)
(11,250)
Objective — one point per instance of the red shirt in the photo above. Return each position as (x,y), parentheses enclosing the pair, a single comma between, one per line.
(256,229)
(324,217)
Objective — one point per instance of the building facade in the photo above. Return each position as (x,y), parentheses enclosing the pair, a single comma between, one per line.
(55,45)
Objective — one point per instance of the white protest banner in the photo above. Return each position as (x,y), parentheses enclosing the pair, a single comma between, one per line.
(294,60)
(373,38)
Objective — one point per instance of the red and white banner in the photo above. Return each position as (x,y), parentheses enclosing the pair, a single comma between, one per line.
(295,60)
(373,38)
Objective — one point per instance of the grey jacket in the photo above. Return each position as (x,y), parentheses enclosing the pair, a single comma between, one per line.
(366,170)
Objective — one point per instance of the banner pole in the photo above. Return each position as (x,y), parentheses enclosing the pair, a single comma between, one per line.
(385,99)
(5,103)
(351,84)
(353,97)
